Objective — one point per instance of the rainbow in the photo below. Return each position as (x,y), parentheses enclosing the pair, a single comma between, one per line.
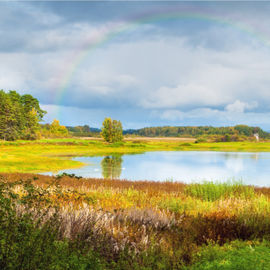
(114,30)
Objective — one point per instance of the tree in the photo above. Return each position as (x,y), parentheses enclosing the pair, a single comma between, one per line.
(30,103)
(117,131)
(19,116)
(112,130)
(57,130)
(32,127)
(106,130)
(8,122)
(86,129)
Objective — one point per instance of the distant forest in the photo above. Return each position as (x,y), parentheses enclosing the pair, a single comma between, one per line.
(236,133)
(83,131)
(224,133)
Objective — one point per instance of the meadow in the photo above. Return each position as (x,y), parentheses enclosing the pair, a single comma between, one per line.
(54,154)
(66,222)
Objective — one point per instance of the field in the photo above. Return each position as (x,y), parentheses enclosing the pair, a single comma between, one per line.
(54,154)
(68,222)
(113,224)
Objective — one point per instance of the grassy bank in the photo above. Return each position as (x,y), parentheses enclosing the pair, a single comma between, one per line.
(113,224)
(54,155)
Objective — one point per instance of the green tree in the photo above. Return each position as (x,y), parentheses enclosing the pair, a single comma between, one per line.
(117,131)
(29,103)
(32,127)
(106,130)
(112,130)
(86,129)
(9,129)
(19,116)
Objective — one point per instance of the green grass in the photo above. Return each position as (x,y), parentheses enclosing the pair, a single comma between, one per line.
(212,191)
(236,255)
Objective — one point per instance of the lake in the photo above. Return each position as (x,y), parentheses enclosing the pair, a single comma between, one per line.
(184,166)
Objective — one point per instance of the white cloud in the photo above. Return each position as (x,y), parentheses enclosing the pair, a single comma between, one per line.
(104,83)
(214,79)
(240,107)
(151,74)
(172,115)
(181,95)
(179,75)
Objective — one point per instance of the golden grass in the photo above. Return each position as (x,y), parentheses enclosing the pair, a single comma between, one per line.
(172,197)
(141,214)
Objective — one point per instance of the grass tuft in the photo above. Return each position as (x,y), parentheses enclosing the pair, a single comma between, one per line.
(212,191)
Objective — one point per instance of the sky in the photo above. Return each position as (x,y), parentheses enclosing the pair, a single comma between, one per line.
(143,63)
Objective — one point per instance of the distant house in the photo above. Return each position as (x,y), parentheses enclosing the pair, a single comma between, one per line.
(256,135)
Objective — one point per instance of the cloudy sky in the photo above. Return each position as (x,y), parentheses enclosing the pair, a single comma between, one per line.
(144,63)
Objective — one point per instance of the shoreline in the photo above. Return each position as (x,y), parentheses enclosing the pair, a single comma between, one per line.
(54,154)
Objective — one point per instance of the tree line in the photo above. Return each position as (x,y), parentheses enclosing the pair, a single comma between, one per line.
(83,131)
(199,131)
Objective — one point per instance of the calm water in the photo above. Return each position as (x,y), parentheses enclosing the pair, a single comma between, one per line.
(251,168)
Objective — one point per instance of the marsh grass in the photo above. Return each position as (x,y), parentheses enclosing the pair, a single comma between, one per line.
(212,191)
(113,224)
(29,232)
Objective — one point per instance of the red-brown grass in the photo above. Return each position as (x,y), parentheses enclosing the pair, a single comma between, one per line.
(70,182)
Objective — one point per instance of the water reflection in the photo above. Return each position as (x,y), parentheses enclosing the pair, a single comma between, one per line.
(111,166)
(252,168)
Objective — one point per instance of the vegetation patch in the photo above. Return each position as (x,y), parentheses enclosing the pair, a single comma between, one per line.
(250,255)
(62,223)
(211,191)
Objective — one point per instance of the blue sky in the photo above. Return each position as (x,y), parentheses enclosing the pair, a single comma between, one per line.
(175,63)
